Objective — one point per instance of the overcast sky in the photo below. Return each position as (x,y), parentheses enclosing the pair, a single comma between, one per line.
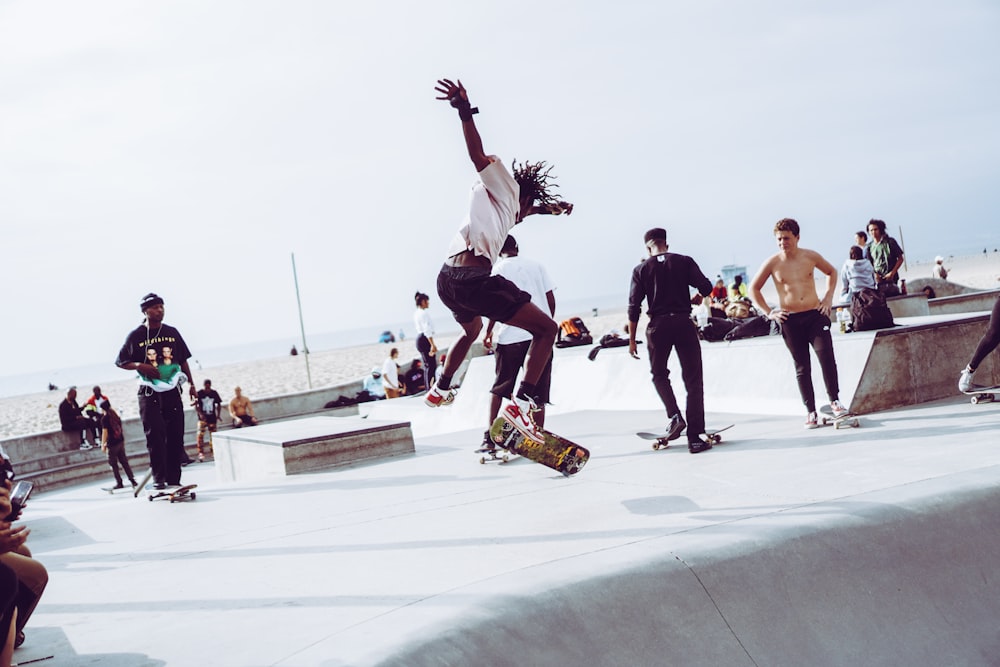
(188,148)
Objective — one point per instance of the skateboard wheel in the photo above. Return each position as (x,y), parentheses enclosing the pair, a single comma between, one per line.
(193,495)
(149,498)
(975,400)
(482,460)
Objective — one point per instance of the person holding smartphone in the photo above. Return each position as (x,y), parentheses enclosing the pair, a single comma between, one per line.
(32,577)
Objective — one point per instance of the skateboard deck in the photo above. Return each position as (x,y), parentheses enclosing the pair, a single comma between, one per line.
(845,421)
(981,394)
(712,437)
(174,494)
(113,490)
(555,452)
(142,483)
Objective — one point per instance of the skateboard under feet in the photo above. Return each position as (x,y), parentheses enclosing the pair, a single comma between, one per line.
(844,421)
(712,437)
(982,394)
(554,452)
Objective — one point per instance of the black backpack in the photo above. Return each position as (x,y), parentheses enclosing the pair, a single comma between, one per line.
(869,311)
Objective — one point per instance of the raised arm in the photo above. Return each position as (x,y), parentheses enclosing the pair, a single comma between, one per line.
(459,99)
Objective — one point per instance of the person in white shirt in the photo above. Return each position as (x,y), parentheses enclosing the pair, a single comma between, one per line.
(512,343)
(465,283)
(390,376)
(425,337)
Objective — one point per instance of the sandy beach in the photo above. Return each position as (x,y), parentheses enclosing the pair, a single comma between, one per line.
(32,413)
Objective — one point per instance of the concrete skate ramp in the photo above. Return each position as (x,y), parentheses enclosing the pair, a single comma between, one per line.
(876,579)
(912,363)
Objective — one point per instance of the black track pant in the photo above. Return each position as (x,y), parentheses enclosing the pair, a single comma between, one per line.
(663,334)
(800,331)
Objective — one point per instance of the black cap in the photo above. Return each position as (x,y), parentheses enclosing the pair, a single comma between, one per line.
(151,299)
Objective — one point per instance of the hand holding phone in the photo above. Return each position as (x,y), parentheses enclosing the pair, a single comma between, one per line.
(19,498)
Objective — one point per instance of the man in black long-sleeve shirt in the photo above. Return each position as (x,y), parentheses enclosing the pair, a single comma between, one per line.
(663,281)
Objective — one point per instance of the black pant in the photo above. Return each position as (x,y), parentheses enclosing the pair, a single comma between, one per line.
(162,416)
(663,334)
(83,427)
(990,339)
(116,456)
(800,331)
(430,360)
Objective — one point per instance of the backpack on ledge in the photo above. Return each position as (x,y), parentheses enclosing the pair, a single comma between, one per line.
(869,311)
(573,332)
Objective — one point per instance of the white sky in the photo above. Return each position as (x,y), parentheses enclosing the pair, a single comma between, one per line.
(188,148)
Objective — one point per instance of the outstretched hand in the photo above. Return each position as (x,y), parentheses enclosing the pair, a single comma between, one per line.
(454,93)
(560,207)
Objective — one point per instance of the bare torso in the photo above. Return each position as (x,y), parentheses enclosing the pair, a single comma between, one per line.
(793,272)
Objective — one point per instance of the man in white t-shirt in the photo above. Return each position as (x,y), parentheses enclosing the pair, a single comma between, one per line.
(512,343)
(390,375)
(466,284)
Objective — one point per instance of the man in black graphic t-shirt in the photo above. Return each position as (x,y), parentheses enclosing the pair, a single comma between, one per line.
(161,408)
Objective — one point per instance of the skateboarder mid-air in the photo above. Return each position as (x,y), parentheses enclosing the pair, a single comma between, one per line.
(663,281)
(465,284)
(804,317)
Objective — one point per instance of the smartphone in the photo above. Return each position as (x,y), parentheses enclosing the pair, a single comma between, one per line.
(19,498)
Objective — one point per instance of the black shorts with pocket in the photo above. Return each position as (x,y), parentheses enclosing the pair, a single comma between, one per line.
(471,291)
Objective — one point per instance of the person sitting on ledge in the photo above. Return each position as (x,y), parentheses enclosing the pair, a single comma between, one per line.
(72,421)
(241,410)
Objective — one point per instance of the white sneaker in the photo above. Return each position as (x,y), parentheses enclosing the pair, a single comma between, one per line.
(519,412)
(965,380)
(838,409)
(86,447)
(812,421)
(437,397)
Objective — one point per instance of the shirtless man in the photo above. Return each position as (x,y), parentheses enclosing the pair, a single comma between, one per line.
(804,317)
(241,410)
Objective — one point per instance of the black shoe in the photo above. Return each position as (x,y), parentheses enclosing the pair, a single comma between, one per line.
(487,445)
(698,447)
(19,639)
(119,485)
(134,483)
(675,427)
(159,486)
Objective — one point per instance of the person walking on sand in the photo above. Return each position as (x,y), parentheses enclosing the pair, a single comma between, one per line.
(161,408)
(425,337)
(465,284)
(987,344)
(512,343)
(804,317)
(113,444)
(663,281)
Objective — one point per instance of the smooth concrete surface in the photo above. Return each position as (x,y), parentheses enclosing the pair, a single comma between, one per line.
(781,546)
(303,445)
(916,361)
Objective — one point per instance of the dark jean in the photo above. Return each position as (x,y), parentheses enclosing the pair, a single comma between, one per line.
(663,334)
(811,328)
(162,416)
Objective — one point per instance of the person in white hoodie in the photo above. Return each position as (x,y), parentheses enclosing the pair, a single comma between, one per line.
(856,273)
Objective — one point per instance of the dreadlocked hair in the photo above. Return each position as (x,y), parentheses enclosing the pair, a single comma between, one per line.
(535,181)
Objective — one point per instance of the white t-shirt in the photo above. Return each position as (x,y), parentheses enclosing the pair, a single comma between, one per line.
(493,208)
(390,374)
(530,276)
(422,320)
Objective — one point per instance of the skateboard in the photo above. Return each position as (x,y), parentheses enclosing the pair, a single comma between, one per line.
(981,394)
(113,490)
(175,494)
(142,483)
(492,455)
(712,437)
(555,452)
(845,421)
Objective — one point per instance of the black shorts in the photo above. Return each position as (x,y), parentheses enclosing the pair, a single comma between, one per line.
(471,292)
(509,361)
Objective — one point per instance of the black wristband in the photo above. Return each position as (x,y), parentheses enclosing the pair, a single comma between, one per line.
(465,110)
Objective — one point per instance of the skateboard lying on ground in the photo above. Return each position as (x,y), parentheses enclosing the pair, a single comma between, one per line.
(712,437)
(981,394)
(174,493)
(555,452)
(142,483)
(843,421)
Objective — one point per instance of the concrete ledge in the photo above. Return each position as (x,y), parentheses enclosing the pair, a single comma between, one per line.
(303,445)
(963,303)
